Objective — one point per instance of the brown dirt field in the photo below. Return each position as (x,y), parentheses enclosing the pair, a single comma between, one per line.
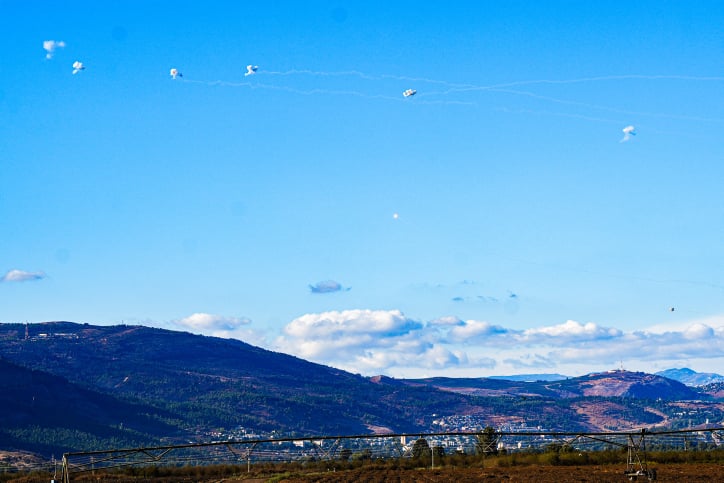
(667,473)
(679,473)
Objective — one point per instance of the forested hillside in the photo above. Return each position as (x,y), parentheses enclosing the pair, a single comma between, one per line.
(82,387)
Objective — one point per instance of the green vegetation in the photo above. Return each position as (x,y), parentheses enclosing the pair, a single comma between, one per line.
(487,442)
(421,449)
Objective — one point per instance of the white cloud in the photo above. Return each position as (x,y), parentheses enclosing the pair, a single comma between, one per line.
(328,332)
(698,332)
(221,326)
(368,341)
(475,330)
(388,342)
(410,358)
(205,322)
(571,330)
(695,342)
(22,276)
(447,321)
(51,46)
(327,286)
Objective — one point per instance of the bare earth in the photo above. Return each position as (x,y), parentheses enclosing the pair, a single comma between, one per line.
(678,473)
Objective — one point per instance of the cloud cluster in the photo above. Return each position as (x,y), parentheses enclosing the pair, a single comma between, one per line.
(22,276)
(366,341)
(388,342)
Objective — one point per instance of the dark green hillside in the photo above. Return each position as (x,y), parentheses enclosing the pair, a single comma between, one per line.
(220,383)
(45,413)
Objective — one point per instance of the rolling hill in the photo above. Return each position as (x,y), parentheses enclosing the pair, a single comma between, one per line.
(83,387)
(208,382)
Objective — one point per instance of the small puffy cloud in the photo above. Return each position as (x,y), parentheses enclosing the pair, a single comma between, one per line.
(51,46)
(475,330)
(337,324)
(221,326)
(22,276)
(328,286)
(571,330)
(208,322)
(447,321)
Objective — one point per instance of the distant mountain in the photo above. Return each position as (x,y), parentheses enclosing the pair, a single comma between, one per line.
(531,377)
(605,384)
(621,383)
(76,387)
(690,377)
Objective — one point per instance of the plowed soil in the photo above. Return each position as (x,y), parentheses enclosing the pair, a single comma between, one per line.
(678,473)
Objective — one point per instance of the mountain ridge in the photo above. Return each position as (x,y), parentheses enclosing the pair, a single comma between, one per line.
(531,377)
(167,386)
(690,377)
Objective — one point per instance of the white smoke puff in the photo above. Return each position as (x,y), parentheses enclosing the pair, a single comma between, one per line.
(51,45)
(628,131)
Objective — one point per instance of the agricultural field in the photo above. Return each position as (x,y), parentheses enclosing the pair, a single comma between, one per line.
(540,474)
(670,472)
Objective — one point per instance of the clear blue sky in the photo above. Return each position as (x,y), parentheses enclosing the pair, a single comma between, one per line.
(493,223)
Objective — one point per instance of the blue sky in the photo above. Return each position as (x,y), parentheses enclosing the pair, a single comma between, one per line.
(494,223)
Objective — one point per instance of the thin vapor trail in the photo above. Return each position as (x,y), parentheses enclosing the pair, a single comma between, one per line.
(461,88)
(605,108)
